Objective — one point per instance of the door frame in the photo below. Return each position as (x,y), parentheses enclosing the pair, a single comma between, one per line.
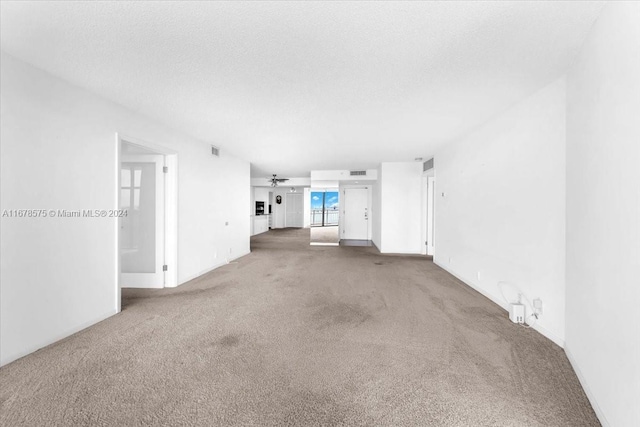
(144,280)
(431,216)
(428,214)
(286,207)
(343,200)
(170,211)
(424,215)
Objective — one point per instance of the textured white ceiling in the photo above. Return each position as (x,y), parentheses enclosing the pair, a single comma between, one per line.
(294,87)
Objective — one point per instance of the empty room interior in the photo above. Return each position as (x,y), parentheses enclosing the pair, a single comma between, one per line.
(320,213)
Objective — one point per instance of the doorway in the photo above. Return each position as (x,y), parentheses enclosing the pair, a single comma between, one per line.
(147,228)
(325,208)
(324,217)
(142,228)
(428,217)
(431,188)
(294,207)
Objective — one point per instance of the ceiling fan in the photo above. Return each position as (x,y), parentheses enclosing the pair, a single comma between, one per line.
(274,181)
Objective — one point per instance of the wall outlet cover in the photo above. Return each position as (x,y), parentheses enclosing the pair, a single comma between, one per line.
(537,305)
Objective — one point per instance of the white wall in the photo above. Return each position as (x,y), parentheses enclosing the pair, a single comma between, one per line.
(320,177)
(58,151)
(278,211)
(307,208)
(503,214)
(400,208)
(603,215)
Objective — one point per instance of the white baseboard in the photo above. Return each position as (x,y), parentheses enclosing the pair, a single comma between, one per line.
(548,334)
(56,338)
(210,269)
(540,329)
(587,390)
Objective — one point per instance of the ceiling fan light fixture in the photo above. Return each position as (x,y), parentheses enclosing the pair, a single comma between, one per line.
(274,181)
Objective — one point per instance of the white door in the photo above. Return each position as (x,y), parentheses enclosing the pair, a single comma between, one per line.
(142,229)
(294,210)
(356,215)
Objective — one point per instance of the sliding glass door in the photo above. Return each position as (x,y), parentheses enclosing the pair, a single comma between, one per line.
(324,208)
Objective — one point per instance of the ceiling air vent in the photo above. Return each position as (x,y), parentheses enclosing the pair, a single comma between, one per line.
(427,165)
(215,151)
(357,173)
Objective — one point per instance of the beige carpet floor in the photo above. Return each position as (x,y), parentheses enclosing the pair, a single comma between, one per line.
(328,234)
(294,334)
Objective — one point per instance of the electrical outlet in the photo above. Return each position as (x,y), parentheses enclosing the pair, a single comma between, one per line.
(537,306)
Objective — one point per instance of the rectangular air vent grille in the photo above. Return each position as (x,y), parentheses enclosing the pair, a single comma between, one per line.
(427,165)
(357,173)
(215,151)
